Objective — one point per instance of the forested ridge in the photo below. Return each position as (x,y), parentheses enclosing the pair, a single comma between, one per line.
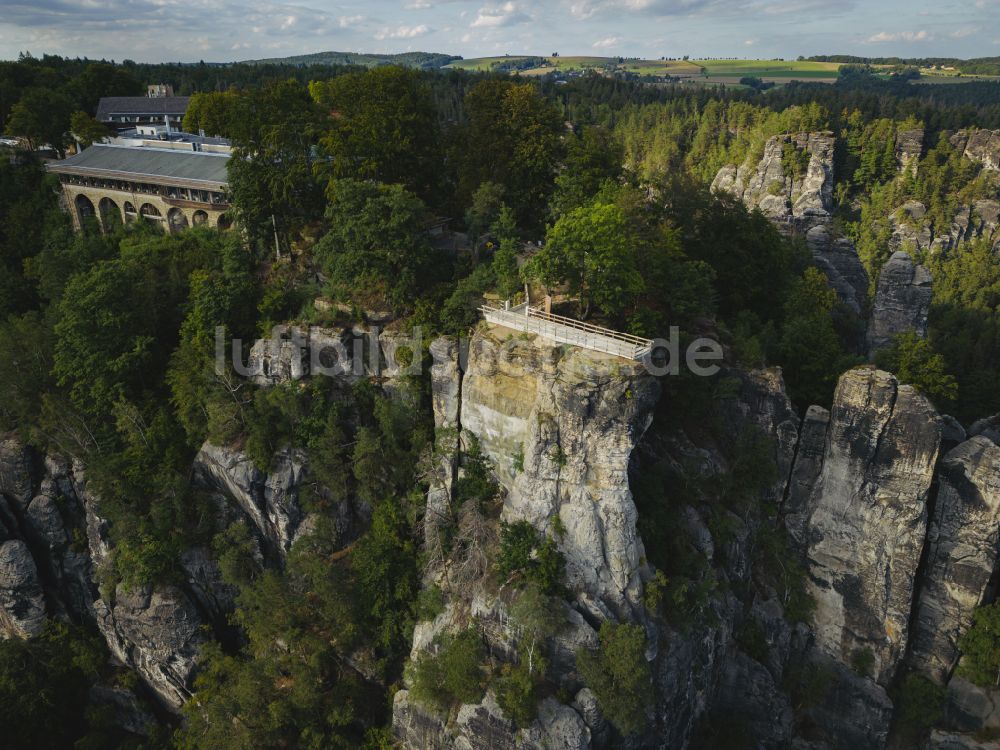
(598,188)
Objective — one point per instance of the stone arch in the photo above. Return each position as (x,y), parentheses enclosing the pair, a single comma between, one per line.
(150,212)
(130,214)
(176,220)
(199,218)
(224,222)
(85,211)
(111,215)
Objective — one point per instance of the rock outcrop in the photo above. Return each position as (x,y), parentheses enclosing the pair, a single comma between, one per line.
(483,726)
(782,193)
(805,472)
(158,632)
(348,354)
(902,302)
(909,147)
(982,146)
(22,602)
(270,500)
(802,204)
(912,229)
(446,390)
(868,515)
(963,545)
(559,425)
(838,259)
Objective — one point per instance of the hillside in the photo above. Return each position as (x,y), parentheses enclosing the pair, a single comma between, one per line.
(421,60)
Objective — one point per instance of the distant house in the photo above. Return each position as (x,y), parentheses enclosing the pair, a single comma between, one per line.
(128,112)
(159,90)
(175,184)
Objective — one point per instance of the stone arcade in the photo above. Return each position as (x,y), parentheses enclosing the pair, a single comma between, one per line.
(172,187)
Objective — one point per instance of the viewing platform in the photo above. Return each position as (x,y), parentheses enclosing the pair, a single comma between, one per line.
(563,330)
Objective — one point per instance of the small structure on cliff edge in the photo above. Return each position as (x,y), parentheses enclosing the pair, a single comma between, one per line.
(539,320)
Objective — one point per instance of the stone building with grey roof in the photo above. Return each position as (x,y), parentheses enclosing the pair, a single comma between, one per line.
(173,186)
(127,112)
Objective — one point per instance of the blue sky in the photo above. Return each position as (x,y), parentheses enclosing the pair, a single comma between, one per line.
(222,30)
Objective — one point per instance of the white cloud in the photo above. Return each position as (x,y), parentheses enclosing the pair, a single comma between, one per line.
(900,36)
(346,22)
(962,33)
(495,16)
(418,5)
(403,32)
(751,42)
(584,9)
(608,41)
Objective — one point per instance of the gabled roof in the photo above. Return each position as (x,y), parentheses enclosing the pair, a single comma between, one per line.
(112,106)
(206,171)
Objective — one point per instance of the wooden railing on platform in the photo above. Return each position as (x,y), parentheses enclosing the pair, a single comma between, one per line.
(563,330)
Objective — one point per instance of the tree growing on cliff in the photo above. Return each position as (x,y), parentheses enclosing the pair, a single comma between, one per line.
(809,350)
(451,672)
(619,675)
(980,647)
(914,361)
(590,249)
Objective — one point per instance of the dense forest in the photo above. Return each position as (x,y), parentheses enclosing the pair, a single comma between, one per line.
(976,66)
(598,187)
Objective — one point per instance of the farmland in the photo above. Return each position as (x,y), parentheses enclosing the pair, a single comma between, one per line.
(709,71)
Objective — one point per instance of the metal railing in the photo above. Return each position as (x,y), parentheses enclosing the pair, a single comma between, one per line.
(563,330)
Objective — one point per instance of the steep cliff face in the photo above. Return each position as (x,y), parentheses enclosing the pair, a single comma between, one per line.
(902,302)
(963,545)
(269,499)
(559,425)
(867,517)
(22,603)
(912,229)
(982,146)
(909,148)
(157,632)
(805,473)
(800,199)
(57,542)
(838,259)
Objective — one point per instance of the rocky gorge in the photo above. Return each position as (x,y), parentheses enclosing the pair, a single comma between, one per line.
(893,518)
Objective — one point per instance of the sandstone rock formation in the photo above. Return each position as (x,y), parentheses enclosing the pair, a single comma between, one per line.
(802,204)
(158,632)
(559,426)
(868,516)
(760,401)
(838,259)
(799,199)
(22,603)
(913,230)
(981,146)
(446,387)
(805,472)
(963,545)
(348,354)
(270,500)
(902,302)
(909,147)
